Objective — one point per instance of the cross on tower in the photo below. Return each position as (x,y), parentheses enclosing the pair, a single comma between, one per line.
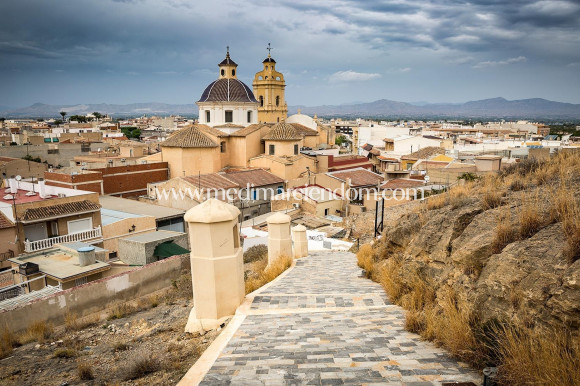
(228,50)
(269,48)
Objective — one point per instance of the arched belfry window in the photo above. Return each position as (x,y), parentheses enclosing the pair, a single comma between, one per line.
(223,72)
(233,72)
(277,101)
(261,101)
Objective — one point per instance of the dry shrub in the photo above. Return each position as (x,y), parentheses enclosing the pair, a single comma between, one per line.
(138,366)
(121,310)
(64,352)
(271,272)
(120,346)
(74,323)
(458,196)
(504,234)
(437,202)
(567,210)
(85,371)
(256,252)
(37,332)
(365,258)
(452,328)
(491,198)
(537,357)
(517,183)
(8,341)
(530,220)
(390,277)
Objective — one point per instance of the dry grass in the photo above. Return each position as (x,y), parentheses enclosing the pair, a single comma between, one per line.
(74,323)
(530,220)
(567,210)
(121,310)
(85,371)
(504,234)
(490,198)
(37,332)
(120,346)
(537,357)
(268,274)
(365,258)
(139,365)
(64,352)
(437,202)
(255,253)
(391,278)
(8,341)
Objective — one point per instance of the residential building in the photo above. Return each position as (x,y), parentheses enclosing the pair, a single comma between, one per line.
(47,215)
(313,199)
(118,225)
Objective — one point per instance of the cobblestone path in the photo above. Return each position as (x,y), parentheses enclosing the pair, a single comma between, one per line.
(323,323)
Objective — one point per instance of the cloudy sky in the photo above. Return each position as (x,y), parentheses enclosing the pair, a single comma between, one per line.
(331,51)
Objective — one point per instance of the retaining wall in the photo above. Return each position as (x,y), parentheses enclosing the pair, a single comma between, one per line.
(97,295)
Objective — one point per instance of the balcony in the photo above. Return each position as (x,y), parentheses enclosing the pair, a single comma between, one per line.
(39,245)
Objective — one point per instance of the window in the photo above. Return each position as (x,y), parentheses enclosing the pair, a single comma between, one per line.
(229,116)
(82,225)
(271,149)
(249,116)
(207,116)
(280,189)
(223,72)
(261,101)
(233,72)
(295,149)
(326,212)
(222,146)
(277,101)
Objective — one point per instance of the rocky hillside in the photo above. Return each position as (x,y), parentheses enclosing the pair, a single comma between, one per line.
(501,250)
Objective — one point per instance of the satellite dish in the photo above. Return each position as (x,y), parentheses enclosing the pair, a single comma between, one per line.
(427,178)
(18,178)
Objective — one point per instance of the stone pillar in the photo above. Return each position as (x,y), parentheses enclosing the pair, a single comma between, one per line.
(300,241)
(279,241)
(217,265)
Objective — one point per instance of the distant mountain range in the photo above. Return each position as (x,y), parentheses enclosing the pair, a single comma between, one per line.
(536,108)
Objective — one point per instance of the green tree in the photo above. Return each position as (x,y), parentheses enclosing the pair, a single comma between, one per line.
(63,114)
(341,139)
(98,115)
(131,132)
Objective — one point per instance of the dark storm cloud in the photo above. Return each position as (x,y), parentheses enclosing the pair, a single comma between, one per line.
(181,41)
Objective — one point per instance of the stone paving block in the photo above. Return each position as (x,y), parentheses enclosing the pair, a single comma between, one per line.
(355,336)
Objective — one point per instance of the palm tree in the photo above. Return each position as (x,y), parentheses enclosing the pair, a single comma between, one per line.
(63,113)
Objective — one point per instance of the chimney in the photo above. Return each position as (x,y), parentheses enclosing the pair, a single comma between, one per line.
(13,186)
(41,188)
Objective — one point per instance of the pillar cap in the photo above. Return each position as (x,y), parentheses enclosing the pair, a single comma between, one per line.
(210,211)
(278,218)
(299,228)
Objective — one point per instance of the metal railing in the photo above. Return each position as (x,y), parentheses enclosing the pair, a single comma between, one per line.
(38,245)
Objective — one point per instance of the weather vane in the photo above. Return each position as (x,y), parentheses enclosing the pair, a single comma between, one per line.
(269,48)
(228,50)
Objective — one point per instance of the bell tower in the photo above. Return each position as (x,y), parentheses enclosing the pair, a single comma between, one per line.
(269,88)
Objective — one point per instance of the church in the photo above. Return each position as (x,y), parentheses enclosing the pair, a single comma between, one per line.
(243,128)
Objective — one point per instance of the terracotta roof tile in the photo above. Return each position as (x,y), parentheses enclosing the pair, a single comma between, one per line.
(426,152)
(358,177)
(5,222)
(306,131)
(190,136)
(283,132)
(210,181)
(402,183)
(247,130)
(212,131)
(257,177)
(229,125)
(56,210)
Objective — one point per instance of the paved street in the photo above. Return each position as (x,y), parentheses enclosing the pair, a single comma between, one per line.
(325,324)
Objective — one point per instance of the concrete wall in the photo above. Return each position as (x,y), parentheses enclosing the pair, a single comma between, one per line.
(191,161)
(117,230)
(66,151)
(96,296)
(24,168)
(140,253)
(7,243)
